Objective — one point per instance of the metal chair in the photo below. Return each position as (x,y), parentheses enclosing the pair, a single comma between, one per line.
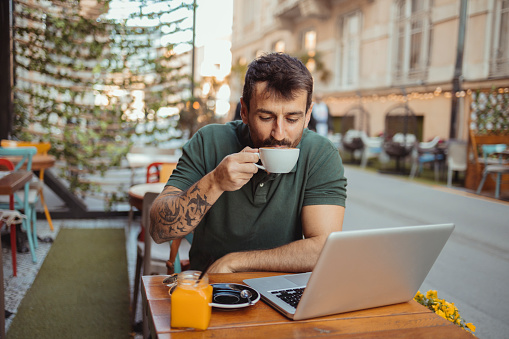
(27,200)
(426,152)
(43,149)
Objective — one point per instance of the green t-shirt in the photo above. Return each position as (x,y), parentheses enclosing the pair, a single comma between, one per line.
(266,212)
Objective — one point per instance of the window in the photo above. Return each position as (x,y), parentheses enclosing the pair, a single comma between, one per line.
(499,64)
(412,41)
(349,49)
(279,46)
(309,41)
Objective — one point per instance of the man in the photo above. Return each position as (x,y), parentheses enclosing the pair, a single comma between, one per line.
(245,219)
(321,120)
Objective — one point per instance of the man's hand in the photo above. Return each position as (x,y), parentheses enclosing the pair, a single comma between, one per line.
(235,170)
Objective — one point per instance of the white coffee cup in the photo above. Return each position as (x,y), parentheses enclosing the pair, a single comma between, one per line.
(277,159)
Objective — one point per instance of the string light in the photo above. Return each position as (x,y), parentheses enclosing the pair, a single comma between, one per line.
(438,92)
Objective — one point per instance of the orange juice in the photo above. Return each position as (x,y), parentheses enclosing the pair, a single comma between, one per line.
(190,302)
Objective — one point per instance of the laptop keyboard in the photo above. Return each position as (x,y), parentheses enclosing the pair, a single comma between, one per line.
(290,296)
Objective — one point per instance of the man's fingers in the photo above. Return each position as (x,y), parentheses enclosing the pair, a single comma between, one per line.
(248,149)
(245,157)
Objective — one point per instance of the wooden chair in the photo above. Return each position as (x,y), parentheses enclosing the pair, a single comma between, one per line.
(43,149)
(160,172)
(151,257)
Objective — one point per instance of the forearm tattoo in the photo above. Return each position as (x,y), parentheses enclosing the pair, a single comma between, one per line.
(180,212)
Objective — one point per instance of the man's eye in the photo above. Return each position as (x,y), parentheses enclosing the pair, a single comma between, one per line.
(265,118)
(293,120)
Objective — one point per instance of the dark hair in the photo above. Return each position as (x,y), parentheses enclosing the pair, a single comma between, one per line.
(284,75)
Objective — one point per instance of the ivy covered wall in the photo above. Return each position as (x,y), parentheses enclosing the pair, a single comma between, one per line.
(86,83)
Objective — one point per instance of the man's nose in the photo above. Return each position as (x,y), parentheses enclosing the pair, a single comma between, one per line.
(278,129)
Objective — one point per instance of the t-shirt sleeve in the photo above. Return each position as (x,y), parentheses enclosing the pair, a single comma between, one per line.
(191,165)
(326,182)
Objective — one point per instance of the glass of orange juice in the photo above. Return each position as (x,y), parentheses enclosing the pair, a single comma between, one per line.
(190,301)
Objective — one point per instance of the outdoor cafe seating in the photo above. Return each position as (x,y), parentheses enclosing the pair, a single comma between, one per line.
(456,158)
(427,152)
(400,133)
(355,135)
(494,166)
(42,151)
(24,200)
(487,165)
(399,147)
(361,145)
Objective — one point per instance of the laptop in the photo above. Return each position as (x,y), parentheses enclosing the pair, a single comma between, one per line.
(358,270)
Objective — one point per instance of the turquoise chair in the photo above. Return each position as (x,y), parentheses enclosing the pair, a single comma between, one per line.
(488,150)
(28,198)
(493,166)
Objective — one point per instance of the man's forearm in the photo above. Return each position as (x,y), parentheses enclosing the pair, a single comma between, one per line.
(176,213)
(298,256)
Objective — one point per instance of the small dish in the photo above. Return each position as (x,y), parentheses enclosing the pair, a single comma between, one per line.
(227,296)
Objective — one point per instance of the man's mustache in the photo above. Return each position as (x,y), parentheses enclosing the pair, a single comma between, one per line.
(271,142)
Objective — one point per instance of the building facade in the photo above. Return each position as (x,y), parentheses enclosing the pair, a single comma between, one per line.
(427,56)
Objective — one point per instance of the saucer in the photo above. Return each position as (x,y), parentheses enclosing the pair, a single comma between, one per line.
(227,296)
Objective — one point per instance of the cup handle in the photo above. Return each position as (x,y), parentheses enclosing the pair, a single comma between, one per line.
(259,166)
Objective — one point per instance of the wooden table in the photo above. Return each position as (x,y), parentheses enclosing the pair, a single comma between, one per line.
(407,320)
(137,160)
(137,192)
(39,161)
(8,185)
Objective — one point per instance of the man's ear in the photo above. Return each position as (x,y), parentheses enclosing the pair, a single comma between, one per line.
(308,115)
(243,111)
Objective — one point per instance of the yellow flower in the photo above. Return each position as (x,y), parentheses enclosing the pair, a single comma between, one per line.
(449,308)
(431,294)
(443,308)
(471,327)
(441,313)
